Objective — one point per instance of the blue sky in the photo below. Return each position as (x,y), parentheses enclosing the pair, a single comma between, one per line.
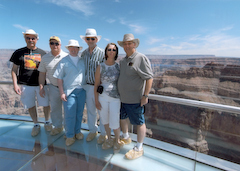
(164,27)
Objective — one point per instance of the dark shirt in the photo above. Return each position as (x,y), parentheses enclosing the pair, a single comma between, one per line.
(28,61)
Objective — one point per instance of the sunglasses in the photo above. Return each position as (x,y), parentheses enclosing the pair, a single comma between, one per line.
(29,38)
(53,43)
(114,50)
(88,38)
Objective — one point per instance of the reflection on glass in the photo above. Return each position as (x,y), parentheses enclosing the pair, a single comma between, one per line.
(203,130)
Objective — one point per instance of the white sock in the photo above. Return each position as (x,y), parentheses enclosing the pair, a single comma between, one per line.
(139,145)
(36,124)
(125,135)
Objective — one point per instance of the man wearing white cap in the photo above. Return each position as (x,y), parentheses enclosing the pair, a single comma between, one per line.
(70,73)
(93,56)
(135,70)
(25,62)
(47,68)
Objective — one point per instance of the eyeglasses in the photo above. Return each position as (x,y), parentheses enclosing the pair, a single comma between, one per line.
(88,38)
(29,38)
(53,43)
(114,50)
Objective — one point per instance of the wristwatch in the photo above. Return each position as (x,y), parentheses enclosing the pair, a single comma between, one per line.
(145,95)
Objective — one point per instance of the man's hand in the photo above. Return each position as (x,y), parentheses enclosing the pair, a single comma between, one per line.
(17,90)
(42,91)
(64,97)
(144,100)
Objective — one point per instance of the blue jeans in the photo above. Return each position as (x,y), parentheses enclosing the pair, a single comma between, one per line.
(73,112)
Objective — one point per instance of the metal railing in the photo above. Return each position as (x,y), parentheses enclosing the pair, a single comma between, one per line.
(196,103)
(182,101)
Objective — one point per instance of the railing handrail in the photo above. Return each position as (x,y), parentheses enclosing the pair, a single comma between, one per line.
(187,102)
(6,82)
(196,103)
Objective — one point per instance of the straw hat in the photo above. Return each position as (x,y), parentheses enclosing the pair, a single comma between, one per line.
(91,33)
(127,38)
(74,43)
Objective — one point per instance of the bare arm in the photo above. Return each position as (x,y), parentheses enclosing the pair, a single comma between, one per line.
(41,80)
(14,72)
(60,87)
(148,87)
(97,83)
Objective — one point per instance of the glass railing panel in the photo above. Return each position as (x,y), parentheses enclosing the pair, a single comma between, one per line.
(223,135)
(10,103)
(208,131)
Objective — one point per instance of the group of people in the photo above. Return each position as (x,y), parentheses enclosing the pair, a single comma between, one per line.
(118,91)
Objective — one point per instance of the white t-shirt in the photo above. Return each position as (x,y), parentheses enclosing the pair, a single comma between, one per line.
(74,59)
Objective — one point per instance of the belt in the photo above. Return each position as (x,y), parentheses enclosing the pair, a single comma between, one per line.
(90,84)
(54,85)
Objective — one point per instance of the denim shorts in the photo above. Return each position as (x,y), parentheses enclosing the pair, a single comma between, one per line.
(135,113)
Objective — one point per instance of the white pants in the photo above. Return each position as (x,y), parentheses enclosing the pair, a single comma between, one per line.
(110,112)
(91,111)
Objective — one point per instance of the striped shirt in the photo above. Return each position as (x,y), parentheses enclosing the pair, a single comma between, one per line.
(91,62)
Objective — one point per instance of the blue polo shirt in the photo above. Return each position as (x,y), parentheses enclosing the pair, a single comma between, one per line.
(73,76)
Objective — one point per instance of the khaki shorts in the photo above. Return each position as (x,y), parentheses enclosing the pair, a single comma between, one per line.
(30,95)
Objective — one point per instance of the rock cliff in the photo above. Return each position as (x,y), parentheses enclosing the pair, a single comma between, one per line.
(197,128)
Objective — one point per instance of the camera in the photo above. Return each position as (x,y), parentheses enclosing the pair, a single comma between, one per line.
(100,89)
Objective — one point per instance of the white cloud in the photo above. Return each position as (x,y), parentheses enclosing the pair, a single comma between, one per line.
(76,5)
(108,40)
(1,6)
(135,28)
(20,27)
(227,28)
(110,20)
(117,1)
(154,40)
(122,21)
(216,43)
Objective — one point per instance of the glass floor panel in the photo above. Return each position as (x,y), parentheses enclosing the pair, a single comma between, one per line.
(20,151)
